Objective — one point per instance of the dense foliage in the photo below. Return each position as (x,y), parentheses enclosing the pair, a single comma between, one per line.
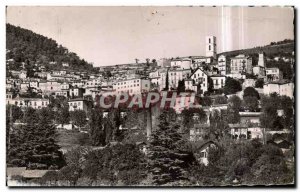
(29,47)
(33,144)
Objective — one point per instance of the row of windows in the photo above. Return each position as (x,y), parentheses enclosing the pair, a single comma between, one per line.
(32,103)
(75,104)
(124,83)
(195,75)
(127,86)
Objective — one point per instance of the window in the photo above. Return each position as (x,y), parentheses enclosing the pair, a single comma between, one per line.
(209,40)
(209,47)
(203,154)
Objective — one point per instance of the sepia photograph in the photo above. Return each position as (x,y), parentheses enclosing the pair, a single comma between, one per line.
(150,96)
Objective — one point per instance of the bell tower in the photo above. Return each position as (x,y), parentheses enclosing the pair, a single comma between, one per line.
(211,46)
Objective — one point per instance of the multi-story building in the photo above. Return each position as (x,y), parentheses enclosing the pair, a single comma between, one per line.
(76,92)
(173,76)
(36,103)
(49,87)
(79,104)
(218,81)
(222,64)
(132,86)
(274,74)
(24,87)
(200,80)
(241,64)
(182,63)
(282,88)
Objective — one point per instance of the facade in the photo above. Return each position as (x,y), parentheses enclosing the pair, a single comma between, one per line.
(76,92)
(241,64)
(211,46)
(36,103)
(79,104)
(274,74)
(200,77)
(49,87)
(218,81)
(259,71)
(250,118)
(222,64)
(281,88)
(132,86)
(239,131)
(202,155)
(173,75)
(183,63)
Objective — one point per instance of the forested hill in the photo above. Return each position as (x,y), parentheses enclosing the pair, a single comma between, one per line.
(26,46)
(274,49)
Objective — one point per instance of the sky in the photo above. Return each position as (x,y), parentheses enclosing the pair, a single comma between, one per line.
(117,35)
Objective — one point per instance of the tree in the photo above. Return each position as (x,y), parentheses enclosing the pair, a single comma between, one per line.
(181,86)
(232,86)
(206,101)
(250,103)
(234,105)
(218,125)
(97,133)
(63,115)
(166,157)
(270,167)
(167,81)
(220,100)
(78,117)
(34,145)
(251,92)
(259,83)
(116,163)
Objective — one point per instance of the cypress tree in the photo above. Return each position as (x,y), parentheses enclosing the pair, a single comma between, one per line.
(166,158)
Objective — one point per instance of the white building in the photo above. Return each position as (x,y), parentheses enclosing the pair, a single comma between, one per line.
(173,75)
(36,103)
(273,74)
(202,157)
(199,77)
(239,131)
(222,64)
(79,104)
(241,64)
(211,46)
(182,63)
(49,87)
(218,81)
(281,88)
(65,64)
(132,86)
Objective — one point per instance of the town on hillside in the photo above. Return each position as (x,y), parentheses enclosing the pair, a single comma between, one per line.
(241,132)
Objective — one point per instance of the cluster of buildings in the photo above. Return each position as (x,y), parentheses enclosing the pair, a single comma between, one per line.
(198,74)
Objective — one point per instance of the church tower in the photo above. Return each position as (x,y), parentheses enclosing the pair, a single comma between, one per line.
(211,46)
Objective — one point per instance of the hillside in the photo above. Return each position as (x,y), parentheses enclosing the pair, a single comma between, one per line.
(280,49)
(26,46)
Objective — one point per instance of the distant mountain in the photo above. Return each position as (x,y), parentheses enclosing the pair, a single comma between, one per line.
(26,46)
